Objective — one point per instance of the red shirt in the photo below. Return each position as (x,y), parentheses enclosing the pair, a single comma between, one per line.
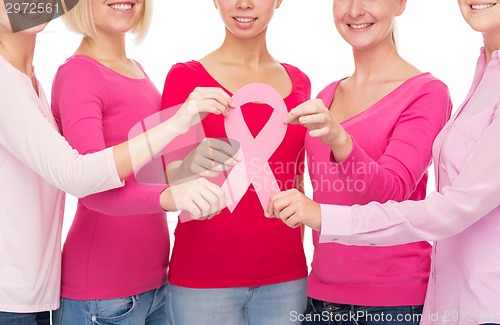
(243,248)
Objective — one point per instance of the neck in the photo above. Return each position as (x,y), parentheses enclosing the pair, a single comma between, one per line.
(491,44)
(376,63)
(18,49)
(251,52)
(105,47)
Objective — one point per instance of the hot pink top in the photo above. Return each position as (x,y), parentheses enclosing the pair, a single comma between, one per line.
(463,217)
(118,244)
(392,151)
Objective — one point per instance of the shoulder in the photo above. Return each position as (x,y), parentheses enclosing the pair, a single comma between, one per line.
(296,74)
(328,91)
(81,68)
(189,68)
(427,83)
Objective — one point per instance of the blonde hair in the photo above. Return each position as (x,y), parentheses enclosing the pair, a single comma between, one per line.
(80,20)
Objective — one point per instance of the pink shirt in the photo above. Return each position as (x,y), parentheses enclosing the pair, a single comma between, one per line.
(118,244)
(392,151)
(35,161)
(463,217)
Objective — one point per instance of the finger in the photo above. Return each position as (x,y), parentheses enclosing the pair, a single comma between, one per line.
(287,212)
(193,210)
(222,97)
(202,205)
(281,204)
(218,192)
(213,104)
(272,202)
(307,108)
(319,132)
(212,201)
(223,147)
(319,118)
(293,221)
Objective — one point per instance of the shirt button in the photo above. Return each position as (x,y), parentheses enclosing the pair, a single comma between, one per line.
(331,308)
(94,318)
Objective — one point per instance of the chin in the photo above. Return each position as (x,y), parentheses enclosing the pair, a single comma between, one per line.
(34,30)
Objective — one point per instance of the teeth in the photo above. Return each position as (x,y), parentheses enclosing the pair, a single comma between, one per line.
(244,20)
(122,6)
(359,26)
(482,6)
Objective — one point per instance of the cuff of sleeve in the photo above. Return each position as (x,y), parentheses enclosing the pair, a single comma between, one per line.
(336,224)
(356,152)
(114,178)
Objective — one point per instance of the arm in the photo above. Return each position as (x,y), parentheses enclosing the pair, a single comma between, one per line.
(473,194)
(28,135)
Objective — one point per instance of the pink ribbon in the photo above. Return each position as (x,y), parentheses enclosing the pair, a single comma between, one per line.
(254,167)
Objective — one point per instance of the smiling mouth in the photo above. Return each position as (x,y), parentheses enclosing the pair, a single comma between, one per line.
(482,6)
(244,19)
(122,6)
(359,26)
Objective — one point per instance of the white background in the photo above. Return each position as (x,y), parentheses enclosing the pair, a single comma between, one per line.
(431,35)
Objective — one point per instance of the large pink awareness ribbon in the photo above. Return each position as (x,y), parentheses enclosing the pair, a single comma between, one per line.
(255,151)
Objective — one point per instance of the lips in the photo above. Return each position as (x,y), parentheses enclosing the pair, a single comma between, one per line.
(482,6)
(122,6)
(245,20)
(360,26)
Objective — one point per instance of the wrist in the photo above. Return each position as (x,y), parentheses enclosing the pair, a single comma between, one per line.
(167,200)
(341,146)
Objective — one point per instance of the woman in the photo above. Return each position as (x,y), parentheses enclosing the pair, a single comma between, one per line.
(463,216)
(116,254)
(37,163)
(370,139)
(238,267)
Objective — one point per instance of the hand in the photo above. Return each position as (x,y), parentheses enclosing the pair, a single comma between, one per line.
(210,158)
(295,209)
(199,197)
(201,102)
(314,115)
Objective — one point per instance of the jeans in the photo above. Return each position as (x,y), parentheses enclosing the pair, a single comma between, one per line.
(324,313)
(265,305)
(41,318)
(149,308)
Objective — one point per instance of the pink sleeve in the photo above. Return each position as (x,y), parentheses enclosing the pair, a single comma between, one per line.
(473,195)
(80,94)
(395,175)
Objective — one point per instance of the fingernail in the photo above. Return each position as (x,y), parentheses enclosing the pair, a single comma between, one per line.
(232,104)
(303,120)
(266,214)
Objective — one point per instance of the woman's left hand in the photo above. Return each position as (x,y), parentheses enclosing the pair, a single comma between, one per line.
(295,209)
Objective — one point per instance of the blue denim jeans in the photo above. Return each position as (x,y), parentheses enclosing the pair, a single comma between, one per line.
(265,305)
(149,308)
(42,318)
(325,313)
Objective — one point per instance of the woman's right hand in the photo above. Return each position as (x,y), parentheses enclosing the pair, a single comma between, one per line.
(201,102)
(199,197)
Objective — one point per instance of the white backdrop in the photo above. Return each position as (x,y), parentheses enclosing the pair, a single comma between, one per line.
(431,35)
